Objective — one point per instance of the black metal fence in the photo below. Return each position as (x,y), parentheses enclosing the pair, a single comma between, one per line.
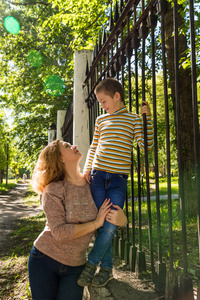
(146,49)
(67,129)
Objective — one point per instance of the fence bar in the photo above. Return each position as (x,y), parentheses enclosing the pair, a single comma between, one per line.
(132,252)
(195,112)
(160,265)
(171,290)
(167,142)
(186,288)
(141,261)
(147,165)
(122,240)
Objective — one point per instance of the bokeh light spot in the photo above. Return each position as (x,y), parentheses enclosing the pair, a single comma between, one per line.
(54,85)
(34,58)
(11,25)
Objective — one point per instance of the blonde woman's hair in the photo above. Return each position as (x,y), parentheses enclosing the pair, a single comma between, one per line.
(49,167)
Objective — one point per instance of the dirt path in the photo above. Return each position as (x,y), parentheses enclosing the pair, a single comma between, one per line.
(12,208)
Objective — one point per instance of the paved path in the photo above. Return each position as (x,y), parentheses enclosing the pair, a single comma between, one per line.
(162,197)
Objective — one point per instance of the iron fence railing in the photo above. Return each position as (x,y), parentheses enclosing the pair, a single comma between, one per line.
(130,52)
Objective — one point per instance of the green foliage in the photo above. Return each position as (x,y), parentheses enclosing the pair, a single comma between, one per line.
(55,29)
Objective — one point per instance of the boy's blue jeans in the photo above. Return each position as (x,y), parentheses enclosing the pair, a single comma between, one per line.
(111,186)
(51,280)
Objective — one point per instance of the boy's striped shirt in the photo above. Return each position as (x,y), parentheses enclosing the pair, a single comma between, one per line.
(111,147)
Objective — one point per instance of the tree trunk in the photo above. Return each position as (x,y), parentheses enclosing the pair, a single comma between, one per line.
(186,113)
(1,176)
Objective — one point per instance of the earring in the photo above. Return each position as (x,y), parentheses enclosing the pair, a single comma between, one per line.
(63,161)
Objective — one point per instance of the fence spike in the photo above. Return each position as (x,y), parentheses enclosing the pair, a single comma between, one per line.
(96,49)
(162,6)
(100,46)
(121,5)
(104,36)
(152,20)
(87,68)
(143,30)
(93,54)
(111,20)
(116,16)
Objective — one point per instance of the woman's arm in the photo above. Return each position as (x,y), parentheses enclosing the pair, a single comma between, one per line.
(85,228)
(56,217)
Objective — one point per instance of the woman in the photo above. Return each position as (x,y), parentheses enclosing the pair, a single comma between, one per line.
(59,253)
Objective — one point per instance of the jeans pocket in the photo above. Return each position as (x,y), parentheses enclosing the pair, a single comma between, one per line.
(36,253)
(123,176)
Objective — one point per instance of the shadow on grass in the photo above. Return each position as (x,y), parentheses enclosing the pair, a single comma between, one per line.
(22,237)
(14,255)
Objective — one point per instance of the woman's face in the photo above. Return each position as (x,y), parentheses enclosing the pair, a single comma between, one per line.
(69,153)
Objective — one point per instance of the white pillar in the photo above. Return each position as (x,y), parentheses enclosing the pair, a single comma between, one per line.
(60,121)
(80,110)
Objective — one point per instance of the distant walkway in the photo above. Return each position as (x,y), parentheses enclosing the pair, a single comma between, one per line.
(162,197)
(12,208)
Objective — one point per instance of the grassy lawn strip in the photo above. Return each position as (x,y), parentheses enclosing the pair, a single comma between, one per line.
(162,186)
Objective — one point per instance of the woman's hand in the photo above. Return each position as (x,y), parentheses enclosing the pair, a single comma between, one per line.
(103,211)
(117,216)
(87,176)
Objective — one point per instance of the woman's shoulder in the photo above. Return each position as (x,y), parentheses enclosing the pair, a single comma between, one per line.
(55,187)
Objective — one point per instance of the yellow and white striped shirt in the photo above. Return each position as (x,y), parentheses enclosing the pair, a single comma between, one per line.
(111,147)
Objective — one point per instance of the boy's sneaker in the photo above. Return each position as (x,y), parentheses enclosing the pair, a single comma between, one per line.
(102,278)
(87,274)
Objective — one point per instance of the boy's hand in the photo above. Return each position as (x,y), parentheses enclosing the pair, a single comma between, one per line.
(145,109)
(87,176)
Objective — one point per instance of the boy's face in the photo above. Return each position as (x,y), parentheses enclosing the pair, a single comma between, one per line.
(109,104)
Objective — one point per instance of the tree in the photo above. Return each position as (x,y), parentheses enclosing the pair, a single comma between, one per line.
(55,30)
(186,112)
(4,140)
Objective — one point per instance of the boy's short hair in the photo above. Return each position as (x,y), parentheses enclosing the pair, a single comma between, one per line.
(110,86)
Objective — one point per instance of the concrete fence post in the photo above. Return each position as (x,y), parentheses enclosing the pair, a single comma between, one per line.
(80,110)
(60,121)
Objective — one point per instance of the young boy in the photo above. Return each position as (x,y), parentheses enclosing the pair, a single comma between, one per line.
(107,167)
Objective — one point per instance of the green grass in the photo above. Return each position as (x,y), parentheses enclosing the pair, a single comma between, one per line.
(191,229)
(5,188)
(162,186)
(31,198)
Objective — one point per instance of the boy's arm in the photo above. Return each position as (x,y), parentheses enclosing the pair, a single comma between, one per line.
(139,131)
(92,150)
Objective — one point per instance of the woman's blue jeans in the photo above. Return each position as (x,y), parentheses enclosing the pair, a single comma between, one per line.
(113,187)
(51,280)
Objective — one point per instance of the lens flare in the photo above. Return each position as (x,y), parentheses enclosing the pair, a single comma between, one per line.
(11,25)
(54,85)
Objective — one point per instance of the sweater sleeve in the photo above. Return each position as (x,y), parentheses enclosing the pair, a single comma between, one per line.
(139,132)
(92,149)
(54,209)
